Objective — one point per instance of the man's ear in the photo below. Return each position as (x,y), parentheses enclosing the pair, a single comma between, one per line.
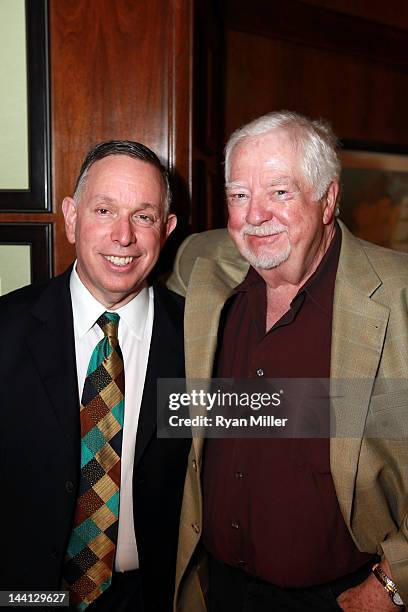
(170,225)
(69,208)
(330,202)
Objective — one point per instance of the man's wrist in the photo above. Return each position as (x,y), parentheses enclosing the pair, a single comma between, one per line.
(388,584)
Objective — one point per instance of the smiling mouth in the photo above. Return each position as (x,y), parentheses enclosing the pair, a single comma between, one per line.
(119,261)
(265,237)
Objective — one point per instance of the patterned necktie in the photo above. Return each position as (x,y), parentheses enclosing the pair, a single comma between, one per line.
(92,545)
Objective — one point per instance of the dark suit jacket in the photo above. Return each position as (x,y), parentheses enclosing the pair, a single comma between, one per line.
(40,443)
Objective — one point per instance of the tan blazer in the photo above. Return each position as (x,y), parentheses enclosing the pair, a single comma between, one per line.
(369,345)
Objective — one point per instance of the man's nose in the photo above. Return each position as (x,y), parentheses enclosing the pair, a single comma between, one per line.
(259,210)
(123,231)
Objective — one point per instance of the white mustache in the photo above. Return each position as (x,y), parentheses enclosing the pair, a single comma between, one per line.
(269,229)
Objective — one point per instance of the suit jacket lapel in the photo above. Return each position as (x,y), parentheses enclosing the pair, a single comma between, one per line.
(52,347)
(359,326)
(165,361)
(211,284)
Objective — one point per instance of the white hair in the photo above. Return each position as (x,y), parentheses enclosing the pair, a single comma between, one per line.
(315,140)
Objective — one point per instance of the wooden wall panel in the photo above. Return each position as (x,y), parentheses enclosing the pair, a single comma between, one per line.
(118,70)
(209,72)
(394,13)
(363,100)
(319,27)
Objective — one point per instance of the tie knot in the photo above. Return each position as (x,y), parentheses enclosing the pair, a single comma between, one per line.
(109,322)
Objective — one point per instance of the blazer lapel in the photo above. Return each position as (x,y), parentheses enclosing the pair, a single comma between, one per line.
(211,284)
(165,361)
(52,347)
(359,326)
(207,294)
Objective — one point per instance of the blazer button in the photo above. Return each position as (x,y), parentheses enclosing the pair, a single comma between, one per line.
(196,527)
(195,465)
(69,486)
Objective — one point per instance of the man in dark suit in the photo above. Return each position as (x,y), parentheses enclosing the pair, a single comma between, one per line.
(90,495)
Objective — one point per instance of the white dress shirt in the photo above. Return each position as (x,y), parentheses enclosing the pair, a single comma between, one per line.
(134,335)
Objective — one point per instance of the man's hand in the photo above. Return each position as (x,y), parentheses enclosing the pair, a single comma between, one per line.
(369,596)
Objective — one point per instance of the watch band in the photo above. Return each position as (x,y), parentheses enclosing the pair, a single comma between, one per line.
(388,584)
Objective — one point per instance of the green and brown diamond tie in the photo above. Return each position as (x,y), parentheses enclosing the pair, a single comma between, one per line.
(92,545)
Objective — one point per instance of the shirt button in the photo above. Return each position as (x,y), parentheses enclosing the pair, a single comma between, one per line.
(195,527)
(234,525)
(260,372)
(194,465)
(239,475)
(69,486)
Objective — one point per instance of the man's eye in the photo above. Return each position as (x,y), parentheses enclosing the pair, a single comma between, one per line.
(102,211)
(281,195)
(144,219)
(237,198)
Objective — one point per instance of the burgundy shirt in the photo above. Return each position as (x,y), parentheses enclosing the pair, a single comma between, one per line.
(270,506)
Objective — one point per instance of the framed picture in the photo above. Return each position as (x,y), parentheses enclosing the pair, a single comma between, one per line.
(25,254)
(374,196)
(24,107)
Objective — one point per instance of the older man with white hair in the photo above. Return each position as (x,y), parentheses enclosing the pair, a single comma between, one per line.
(300,523)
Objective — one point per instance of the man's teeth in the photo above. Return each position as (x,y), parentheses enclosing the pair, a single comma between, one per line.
(119,261)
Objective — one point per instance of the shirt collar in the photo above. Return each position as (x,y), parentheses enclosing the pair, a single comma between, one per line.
(320,286)
(86,309)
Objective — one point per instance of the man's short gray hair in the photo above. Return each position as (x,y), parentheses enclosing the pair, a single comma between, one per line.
(315,140)
(131,148)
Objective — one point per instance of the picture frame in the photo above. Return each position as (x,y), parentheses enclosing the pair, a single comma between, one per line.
(37,267)
(374,193)
(37,196)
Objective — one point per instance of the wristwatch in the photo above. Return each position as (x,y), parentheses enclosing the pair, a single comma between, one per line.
(388,584)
